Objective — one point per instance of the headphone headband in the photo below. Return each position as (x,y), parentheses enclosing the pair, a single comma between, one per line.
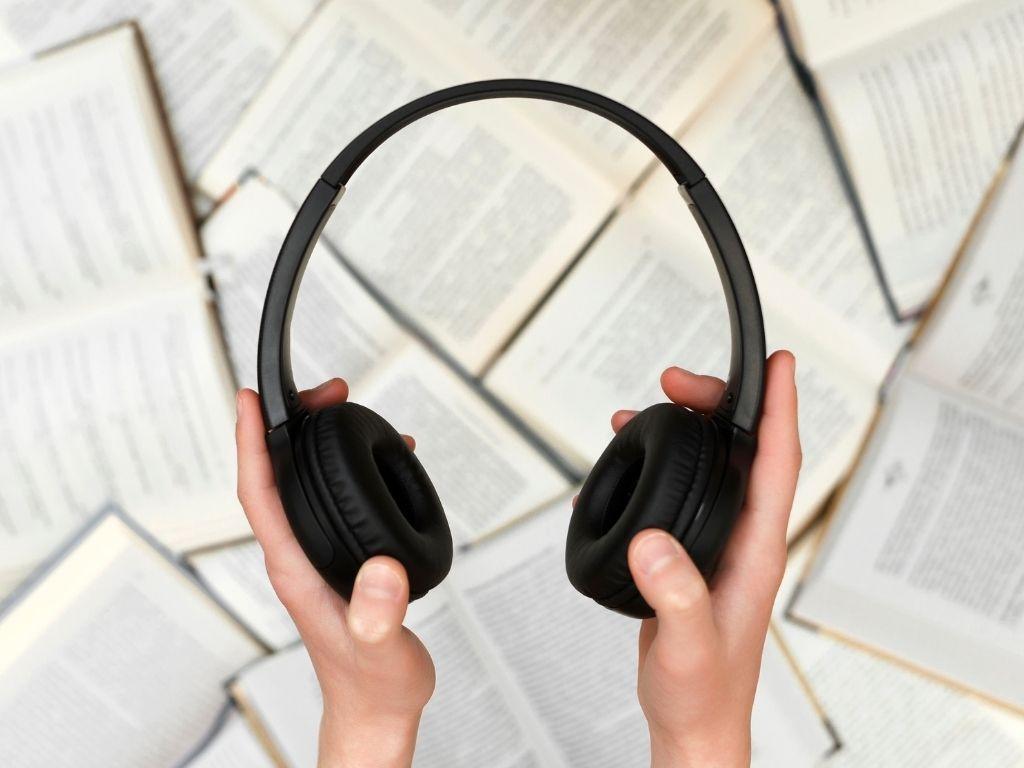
(741,401)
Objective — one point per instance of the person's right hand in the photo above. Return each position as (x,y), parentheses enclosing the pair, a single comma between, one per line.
(375,675)
(700,657)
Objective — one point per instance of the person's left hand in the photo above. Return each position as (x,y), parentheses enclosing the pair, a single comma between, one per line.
(375,674)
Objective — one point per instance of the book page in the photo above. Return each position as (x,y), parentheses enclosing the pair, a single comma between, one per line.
(89,194)
(467,722)
(209,58)
(973,342)
(236,575)
(762,146)
(77,659)
(463,219)
(338,329)
(233,746)
(924,120)
(925,559)
(645,297)
(828,30)
(887,714)
(485,472)
(517,596)
(665,60)
(130,404)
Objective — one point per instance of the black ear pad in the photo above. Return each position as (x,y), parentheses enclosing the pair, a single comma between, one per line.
(653,474)
(375,497)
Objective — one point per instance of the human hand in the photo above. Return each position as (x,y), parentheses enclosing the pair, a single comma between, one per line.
(701,656)
(375,675)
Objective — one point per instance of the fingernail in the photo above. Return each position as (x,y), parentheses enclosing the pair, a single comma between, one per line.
(323,386)
(378,582)
(656,551)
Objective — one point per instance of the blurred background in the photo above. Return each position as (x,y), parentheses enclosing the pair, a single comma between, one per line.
(499,278)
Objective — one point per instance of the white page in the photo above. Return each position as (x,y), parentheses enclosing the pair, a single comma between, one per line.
(924,118)
(114,659)
(463,220)
(485,472)
(665,58)
(886,714)
(233,746)
(974,341)
(89,195)
(647,296)
(575,662)
(762,146)
(466,723)
(828,30)
(338,329)
(132,404)
(236,575)
(210,58)
(926,556)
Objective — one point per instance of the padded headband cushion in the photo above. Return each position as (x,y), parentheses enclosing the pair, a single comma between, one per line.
(652,475)
(381,498)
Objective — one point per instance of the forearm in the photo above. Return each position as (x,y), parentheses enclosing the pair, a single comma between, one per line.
(351,743)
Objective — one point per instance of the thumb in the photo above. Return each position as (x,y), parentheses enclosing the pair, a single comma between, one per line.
(674,588)
(379,601)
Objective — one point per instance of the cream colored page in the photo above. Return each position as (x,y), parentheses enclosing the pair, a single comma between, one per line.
(924,119)
(665,59)
(829,29)
(338,329)
(974,341)
(761,145)
(210,58)
(926,557)
(130,404)
(574,663)
(485,472)
(237,576)
(88,193)
(466,723)
(234,746)
(645,297)
(886,714)
(463,219)
(113,659)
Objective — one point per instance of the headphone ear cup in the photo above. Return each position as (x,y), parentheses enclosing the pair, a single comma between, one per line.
(375,497)
(653,474)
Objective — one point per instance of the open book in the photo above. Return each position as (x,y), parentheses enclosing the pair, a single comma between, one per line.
(646,294)
(498,631)
(115,386)
(885,713)
(924,98)
(486,473)
(924,557)
(112,656)
(467,219)
(209,58)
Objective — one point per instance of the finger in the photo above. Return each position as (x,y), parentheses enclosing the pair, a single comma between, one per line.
(258,495)
(330,392)
(674,588)
(380,598)
(755,557)
(575,499)
(696,391)
(410,441)
(621,418)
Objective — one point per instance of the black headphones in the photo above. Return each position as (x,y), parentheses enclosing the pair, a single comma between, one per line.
(352,489)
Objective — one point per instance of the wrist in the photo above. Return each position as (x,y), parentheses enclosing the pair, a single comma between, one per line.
(697,752)
(355,742)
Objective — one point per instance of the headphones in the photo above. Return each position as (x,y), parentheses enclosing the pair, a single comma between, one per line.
(352,489)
